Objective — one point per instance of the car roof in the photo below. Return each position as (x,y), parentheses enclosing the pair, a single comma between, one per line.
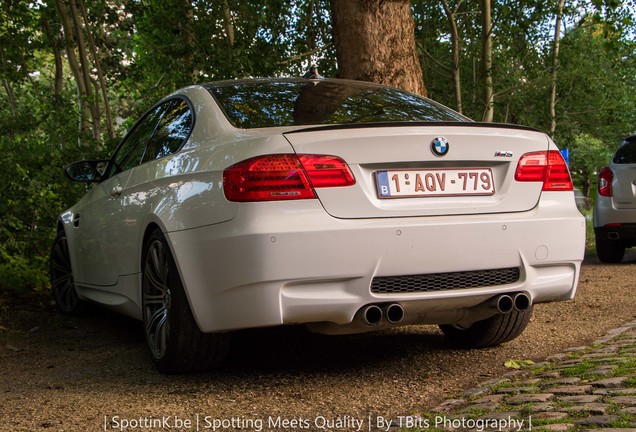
(234,82)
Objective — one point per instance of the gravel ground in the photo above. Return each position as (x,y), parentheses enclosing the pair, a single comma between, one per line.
(64,374)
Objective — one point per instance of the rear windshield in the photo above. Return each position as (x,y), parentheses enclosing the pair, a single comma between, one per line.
(261,104)
(626,153)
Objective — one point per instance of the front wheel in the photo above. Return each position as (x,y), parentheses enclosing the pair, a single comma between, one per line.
(173,337)
(490,332)
(62,281)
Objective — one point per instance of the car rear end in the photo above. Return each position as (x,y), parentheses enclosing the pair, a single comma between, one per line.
(365,226)
(615,206)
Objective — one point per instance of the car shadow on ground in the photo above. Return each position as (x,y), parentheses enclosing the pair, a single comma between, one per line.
(297,349)
(104,339)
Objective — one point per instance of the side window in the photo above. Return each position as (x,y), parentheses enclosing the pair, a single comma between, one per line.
(173,129)
(130,152)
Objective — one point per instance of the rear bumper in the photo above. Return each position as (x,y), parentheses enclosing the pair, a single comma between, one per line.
(614,224)
(606,213)
(623,233)
(291,263)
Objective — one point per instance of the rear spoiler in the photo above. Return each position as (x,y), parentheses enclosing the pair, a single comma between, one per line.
(311,128)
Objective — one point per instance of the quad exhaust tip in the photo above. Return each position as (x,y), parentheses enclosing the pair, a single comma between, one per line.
(393,313)
(506,303)
(374,314)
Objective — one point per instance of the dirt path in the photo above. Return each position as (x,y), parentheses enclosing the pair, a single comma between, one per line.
(64,374)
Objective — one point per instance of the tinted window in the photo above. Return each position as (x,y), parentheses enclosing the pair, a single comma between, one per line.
(131,151)
(626,153)
(302,102)
(172,131)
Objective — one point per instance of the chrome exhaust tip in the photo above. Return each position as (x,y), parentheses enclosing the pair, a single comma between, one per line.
(394,313)
(505,304)
(522,302)
(372,315)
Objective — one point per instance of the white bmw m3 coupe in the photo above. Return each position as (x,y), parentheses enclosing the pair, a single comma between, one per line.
(341,205)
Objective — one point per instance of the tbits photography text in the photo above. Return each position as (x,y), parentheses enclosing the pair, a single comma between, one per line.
(371,423)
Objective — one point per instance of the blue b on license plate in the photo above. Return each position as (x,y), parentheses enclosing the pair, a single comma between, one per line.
(434,182)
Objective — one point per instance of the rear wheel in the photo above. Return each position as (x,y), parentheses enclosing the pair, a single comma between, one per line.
(62,282)
(609,251)
(175,342)
(492,331)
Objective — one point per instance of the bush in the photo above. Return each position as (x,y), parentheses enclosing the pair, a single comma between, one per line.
(35,144)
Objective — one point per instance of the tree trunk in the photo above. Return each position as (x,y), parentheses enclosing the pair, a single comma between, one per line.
(375,41)
(486,59)
(310,33)
(75,68)
(555,68)
(450,15)
(11,95)
(93,103)
(100,73)
(57,55)
(229,26)
(189,39)
(7,85)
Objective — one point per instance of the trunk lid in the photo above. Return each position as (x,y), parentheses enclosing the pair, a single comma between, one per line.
(624,186)
(399,175)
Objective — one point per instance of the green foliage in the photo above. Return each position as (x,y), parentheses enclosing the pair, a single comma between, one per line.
(149,48)
(20,273)
(588,155)
(596,73)
(34,142)
(597,70)
(179,42)
(18,33)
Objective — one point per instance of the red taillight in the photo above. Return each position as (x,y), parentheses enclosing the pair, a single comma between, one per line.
(326,171)
(284,177)
(548,167)
(605,178)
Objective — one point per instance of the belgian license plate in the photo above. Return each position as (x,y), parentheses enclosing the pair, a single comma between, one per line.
(434,182)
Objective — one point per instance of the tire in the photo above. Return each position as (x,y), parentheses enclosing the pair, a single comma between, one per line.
(173,337)
(490,332)
(609,251)
(62,281)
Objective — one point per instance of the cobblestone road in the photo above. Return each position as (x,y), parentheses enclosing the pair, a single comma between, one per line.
(584,388)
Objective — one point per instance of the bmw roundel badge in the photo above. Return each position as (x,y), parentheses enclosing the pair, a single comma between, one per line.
(439,146)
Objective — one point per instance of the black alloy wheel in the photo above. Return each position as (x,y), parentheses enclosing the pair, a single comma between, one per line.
(62,281)
(175,342)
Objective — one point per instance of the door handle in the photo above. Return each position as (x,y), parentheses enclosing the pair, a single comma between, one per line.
(117,190)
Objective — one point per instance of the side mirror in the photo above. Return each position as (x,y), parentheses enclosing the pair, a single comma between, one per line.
(85,171)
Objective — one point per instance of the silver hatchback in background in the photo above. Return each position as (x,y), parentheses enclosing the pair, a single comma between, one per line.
(615,207)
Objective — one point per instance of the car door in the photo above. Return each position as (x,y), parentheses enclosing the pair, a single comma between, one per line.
(103,223)
(147,181)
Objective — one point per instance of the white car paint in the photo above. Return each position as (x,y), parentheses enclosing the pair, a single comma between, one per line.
(312,261)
